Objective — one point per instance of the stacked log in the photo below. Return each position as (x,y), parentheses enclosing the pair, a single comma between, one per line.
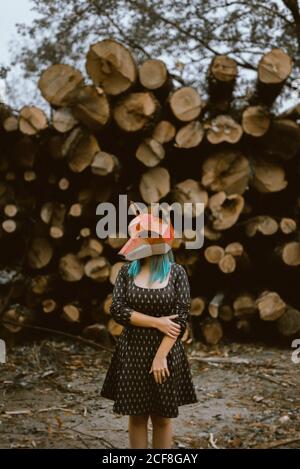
(128,129)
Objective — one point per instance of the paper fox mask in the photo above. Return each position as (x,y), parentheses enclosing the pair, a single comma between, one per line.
(149,235)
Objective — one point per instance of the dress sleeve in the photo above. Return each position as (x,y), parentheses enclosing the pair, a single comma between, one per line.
(183,299)
(119,310)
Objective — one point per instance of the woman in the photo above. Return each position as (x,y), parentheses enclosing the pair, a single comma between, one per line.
(149,373)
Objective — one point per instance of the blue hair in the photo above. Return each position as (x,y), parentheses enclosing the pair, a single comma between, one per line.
(160,266)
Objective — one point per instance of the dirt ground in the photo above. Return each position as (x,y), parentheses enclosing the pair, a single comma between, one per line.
(50,398)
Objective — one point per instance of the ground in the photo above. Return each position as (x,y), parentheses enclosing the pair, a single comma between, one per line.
(248,398)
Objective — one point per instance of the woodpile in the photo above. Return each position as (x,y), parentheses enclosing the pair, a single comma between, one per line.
(128,129)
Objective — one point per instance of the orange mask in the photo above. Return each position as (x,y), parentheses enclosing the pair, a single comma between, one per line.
(149,235)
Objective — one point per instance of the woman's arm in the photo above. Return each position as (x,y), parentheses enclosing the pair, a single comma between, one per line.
(159,365)
(183,302)
(183,299)
(163,323)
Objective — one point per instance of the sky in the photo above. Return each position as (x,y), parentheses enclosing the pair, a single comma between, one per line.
(11,12)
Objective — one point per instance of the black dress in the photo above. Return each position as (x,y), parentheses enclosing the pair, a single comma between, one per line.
(128,381)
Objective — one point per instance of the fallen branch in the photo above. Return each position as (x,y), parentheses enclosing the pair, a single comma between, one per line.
(62,334)
(212,441)
(231,361)
(276,381)
(93,436)
(275,444)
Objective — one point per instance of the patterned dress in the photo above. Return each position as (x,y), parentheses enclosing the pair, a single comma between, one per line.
(128,381)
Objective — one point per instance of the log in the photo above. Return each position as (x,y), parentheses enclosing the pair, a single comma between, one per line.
(40,252)
(41,284)
(46,212)
(150,152)
(90,248)
(91,107)
(136,112)
(190,135)
(107,303)
(5,111)
(29,176)
(153,75)
(227,171)
(213,254)
(215,304)
(111,66)
(97,332)
(289,322)
(263,224)
(221,80)
(273,70)
(75,210)
(11,124)
(10,176)
(63,120)
(19,315)
(282,140)
(59,84)
(57,221)
(197,306)
(32,120)
(71,313)
(225,210)
(191,192)
(244,305)
(211,234)
(288,225)
(289,253)
(114,328)
(226,313)
(235,248)
(154,184)
(63,184)
(10,210)
(81,149)
(98,269)
(267,176)
(256,120)
(223,128)
(227,264)
(186,104)
(71,268)
(243,325)
(212,331)
(164,132)
(116,242)
(270,306)
(9,225)
(104,164)
(49,305)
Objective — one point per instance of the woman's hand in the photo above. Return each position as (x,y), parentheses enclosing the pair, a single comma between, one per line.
(160,369)
(167,326)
